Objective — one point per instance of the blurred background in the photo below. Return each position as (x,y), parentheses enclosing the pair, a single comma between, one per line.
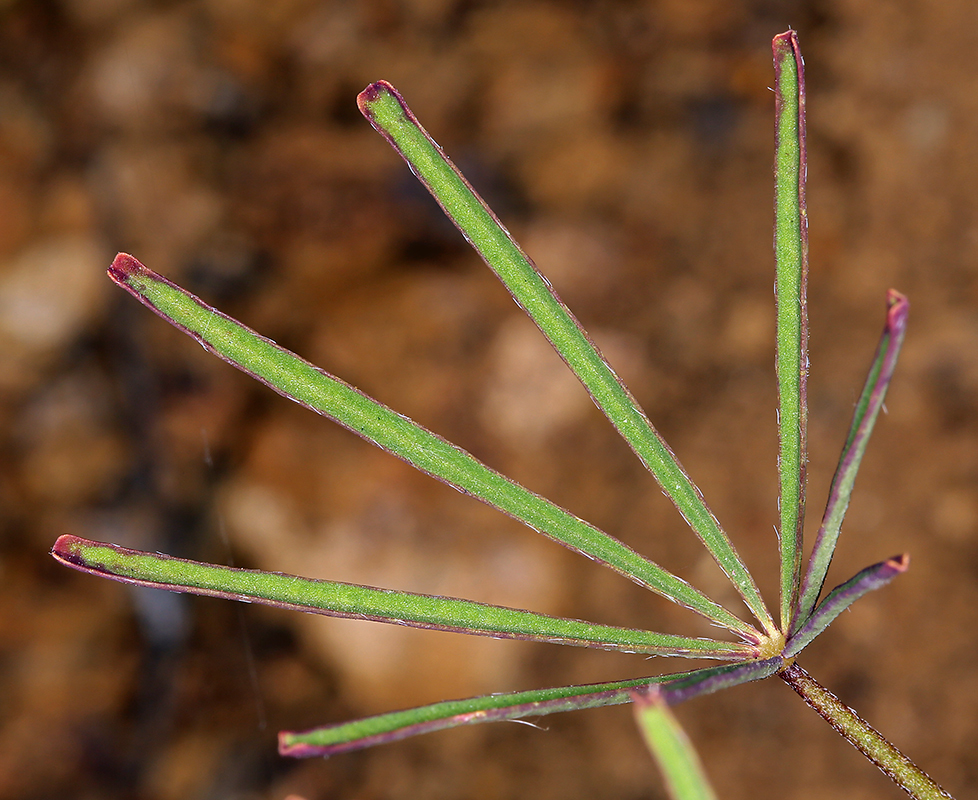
(628,147)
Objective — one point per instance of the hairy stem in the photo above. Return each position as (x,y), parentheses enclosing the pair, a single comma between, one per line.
(861,735)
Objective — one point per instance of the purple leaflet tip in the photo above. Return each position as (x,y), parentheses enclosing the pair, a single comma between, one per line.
(124,266)
(65,550)
(785,42)
(897,308)
(900,563)
(295,749)
(372,94)
(893,297)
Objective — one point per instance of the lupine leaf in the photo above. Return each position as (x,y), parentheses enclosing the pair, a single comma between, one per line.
(390,115)
(863,419)
(319,391)
(791,256)
(364,602)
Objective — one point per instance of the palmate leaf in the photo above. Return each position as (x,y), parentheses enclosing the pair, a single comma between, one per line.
(764,652)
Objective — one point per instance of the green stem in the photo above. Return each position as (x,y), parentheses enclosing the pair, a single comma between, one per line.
(678,761)
(861,735)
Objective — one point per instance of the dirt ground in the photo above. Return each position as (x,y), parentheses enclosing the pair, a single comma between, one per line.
(628,147)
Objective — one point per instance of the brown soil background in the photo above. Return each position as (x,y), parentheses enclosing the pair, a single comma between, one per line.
(628,146)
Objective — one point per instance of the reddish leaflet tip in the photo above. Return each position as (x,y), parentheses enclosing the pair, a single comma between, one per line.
(65,550)
(372,94)
(285,748)
(900,563)
(785,42)
(124,266)
(893,297)
(897,308)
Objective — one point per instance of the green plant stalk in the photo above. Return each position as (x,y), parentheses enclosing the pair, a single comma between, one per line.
(317,390)
(390,115)
(336,599)
(681,767)
(791,261)
(861,735)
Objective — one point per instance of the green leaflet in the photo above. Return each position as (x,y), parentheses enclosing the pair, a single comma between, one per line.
(395,725)
(365,602)
(791,257)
